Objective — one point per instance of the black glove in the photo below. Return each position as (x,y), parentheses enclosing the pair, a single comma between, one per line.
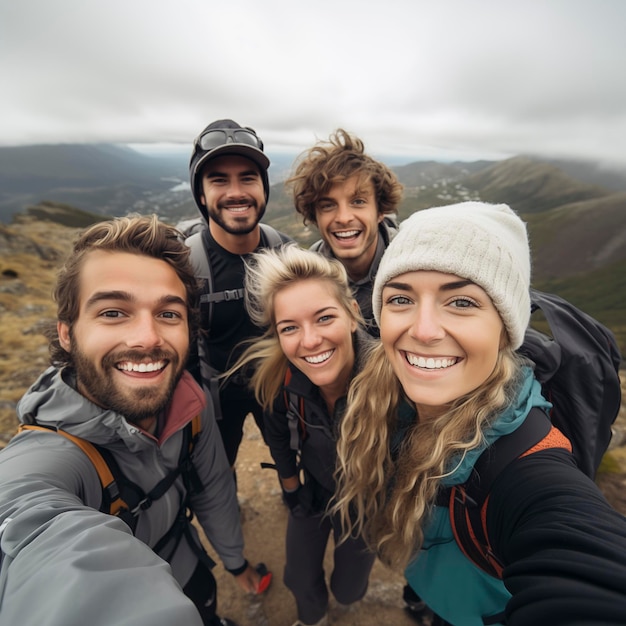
(292,500)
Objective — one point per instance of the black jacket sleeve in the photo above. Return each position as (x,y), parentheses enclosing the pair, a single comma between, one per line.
(563,546)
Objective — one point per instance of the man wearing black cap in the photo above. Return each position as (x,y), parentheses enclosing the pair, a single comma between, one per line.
(229,182)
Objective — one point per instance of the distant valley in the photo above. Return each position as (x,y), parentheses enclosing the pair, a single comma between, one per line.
(101,178)
(576,212)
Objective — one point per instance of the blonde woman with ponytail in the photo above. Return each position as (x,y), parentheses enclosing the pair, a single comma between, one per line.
(451,298)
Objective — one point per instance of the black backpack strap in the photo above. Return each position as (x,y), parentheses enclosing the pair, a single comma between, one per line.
(137,499)
(468,502)
(182,528)
(182,525)
(202,267)
(199,257)
(134,497)
(184,467)
(222,296)
(295,414)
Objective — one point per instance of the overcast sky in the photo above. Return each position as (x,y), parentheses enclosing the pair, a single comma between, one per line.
(442,79)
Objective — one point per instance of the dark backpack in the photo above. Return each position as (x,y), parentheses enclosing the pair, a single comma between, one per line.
(199,257)
(578,368)
(125,499)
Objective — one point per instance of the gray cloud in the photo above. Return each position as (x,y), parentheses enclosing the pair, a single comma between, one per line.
(451,79)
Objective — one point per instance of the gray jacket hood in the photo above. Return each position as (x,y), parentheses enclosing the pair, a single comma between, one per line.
(53,401)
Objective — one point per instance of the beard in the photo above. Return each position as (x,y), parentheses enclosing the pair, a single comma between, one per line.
(236,228)
(103,387)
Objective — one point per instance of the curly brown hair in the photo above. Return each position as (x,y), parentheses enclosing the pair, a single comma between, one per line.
(334,161)
(140,235)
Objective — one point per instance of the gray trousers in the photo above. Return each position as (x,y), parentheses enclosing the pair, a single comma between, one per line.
(307,538)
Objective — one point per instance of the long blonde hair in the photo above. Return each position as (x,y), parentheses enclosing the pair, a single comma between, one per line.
(268,272)
(389,500)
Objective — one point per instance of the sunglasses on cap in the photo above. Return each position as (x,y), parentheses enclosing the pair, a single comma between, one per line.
(221,136)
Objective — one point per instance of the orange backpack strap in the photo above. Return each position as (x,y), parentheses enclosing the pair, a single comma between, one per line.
(109,486)
(554,439)
(196,427)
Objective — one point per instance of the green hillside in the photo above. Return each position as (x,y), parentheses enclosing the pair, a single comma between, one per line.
(63,214)
(600,293)
(577,230)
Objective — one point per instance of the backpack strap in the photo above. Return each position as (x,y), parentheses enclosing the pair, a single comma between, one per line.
(273,237)
(136,500)
(122,497)
(295,414)
(112,501)
(199,258)
(468,502)
(139,500)
(209,376)
(191,434)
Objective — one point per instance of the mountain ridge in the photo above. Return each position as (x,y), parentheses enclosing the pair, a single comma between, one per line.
(577,227)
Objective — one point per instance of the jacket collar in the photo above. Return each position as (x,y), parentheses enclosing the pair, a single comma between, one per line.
(53,401)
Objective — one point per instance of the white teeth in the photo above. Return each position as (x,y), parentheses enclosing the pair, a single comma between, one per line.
(319,358)
(429,364)
(238,209)
(141,367)
(347,234)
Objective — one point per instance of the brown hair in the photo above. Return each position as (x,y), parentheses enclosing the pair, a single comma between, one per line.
(145,236)
(334,161)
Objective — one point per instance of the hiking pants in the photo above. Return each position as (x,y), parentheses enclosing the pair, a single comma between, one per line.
(202,591)
(236,402)
(307,538)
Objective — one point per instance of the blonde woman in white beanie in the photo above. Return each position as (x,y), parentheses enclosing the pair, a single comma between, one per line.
(451,299)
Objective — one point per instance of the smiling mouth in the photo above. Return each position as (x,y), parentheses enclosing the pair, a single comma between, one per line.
(430,363)
(238,205)
(319,358)
(129,366)
(345,235)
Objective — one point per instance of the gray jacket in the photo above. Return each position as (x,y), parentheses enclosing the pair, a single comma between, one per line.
(62,561)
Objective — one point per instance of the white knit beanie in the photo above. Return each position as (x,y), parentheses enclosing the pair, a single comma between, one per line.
(485,243)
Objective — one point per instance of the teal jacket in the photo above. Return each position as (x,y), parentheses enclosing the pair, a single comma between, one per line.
(446,580)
